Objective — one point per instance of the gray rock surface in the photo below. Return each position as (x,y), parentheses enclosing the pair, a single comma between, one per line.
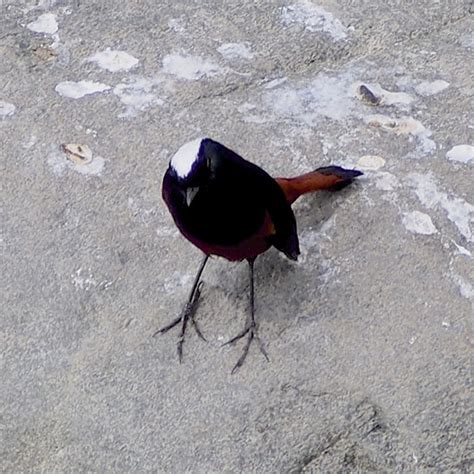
(369,333)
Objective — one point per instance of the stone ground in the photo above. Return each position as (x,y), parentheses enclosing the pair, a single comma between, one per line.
(369,333)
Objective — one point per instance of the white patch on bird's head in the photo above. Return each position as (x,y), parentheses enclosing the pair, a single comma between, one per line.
(183,160)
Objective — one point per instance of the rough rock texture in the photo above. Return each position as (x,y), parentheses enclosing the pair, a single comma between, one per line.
(369,333)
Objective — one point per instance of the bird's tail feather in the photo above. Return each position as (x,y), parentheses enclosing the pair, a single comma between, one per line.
(329,178)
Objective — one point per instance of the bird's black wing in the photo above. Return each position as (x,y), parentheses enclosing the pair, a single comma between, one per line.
(261,189)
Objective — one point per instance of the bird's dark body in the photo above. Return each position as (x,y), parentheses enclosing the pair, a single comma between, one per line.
(236,201)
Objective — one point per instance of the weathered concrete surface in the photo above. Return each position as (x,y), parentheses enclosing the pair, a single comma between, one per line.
(369,334)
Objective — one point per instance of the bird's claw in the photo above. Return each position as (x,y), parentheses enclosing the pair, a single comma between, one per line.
(241,334)
(198,331)
(252,334)
(169,326)
(187,314)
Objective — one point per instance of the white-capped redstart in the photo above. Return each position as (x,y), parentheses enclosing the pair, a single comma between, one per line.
(232,208)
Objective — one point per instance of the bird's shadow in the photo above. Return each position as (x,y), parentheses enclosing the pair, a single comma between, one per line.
(282,287)
(314,210)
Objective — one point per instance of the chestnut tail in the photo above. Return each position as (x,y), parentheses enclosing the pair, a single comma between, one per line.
(328,178)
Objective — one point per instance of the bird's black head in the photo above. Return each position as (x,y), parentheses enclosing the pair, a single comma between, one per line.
(191,167)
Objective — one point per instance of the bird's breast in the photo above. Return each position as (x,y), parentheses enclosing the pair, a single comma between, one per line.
(222,216)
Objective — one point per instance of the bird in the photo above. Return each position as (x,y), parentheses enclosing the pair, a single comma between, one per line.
(230,207)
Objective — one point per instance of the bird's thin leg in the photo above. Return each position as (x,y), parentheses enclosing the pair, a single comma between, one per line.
(250,329)
(188,311)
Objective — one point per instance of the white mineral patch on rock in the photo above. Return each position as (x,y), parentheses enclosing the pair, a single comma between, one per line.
(386,181)
(314,18)
(191,68)
(419,223)
(113,60)
(405,126)
(45,23)
(307,102)
(60,161)
(460,250)
(430,88)
(235,50)
(76,90)
(6,109)
(323,97)
(461,153)
(312,241)
(137,95)
(370,162)
(465,288)
(458,211)
(275,83)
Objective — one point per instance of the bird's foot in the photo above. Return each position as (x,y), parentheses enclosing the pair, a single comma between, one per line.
(188,314)
(250,330)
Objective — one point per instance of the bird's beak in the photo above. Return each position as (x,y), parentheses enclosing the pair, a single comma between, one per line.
(191,194)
